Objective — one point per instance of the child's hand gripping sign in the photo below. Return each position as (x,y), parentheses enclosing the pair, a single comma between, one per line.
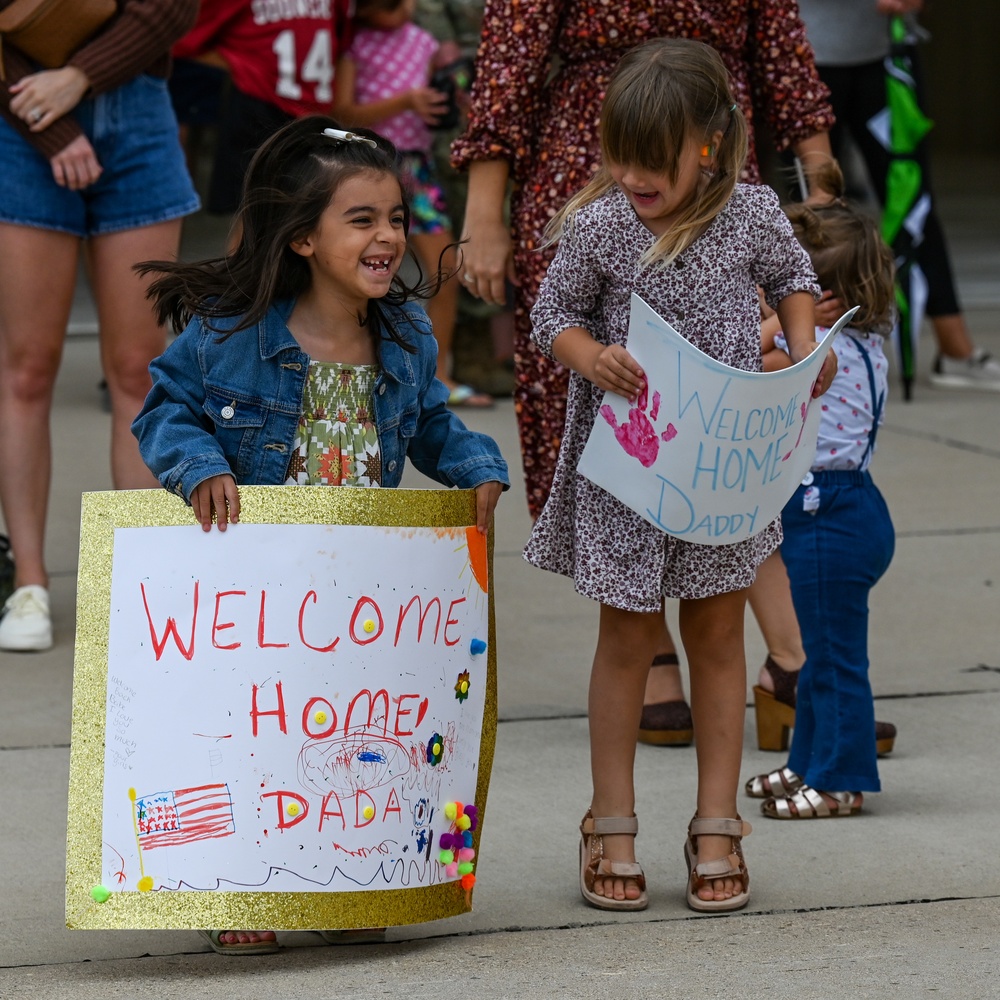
(707,453)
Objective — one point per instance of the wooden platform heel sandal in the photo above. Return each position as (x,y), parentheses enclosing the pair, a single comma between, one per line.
(731,866)
(775,710)
(775,713)
(594,865)
(666,723)
(885,738)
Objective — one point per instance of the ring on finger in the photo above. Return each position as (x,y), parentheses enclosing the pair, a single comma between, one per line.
(36,115)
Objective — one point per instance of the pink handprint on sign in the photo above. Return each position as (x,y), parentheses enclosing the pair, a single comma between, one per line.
(804,412)
(637,435)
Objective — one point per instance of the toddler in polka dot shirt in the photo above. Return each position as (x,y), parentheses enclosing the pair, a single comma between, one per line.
(839,538)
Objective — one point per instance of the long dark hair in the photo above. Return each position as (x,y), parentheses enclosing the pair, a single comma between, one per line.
(290,182)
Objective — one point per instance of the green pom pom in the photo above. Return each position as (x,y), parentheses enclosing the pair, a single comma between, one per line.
(446,857)
(100,894)
(466,868)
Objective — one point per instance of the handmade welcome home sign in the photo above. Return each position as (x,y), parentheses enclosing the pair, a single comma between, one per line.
(290,724)
(708,453)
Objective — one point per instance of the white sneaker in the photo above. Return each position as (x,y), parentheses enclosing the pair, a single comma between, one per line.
(980,371)
(26,624)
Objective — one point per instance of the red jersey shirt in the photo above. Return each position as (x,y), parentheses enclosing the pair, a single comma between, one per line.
(279,51)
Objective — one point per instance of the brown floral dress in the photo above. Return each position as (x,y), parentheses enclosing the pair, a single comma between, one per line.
(709,295)
(545,124)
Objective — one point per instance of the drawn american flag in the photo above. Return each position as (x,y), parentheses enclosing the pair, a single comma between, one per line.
(167,819)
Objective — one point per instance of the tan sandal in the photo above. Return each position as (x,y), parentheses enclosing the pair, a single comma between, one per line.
(775,785)
(220,947)
(594,865)
(731,866)
(807,803)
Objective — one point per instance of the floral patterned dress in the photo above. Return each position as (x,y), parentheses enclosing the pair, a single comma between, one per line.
(337,441)
(545,125)
(708,293)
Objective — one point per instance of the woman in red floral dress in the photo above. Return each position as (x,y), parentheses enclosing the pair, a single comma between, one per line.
(539,127)
(541,72)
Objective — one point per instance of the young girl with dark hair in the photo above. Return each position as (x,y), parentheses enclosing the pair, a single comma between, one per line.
(303,360)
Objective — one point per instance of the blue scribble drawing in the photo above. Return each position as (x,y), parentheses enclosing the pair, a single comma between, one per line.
(357,762)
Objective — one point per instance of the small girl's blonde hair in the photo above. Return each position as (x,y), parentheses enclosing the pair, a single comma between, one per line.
(848,253)
(662,94)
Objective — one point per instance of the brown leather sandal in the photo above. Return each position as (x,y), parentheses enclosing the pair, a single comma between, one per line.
(731,866)
(775,710)
(775,713)
(593,864)
(666,723)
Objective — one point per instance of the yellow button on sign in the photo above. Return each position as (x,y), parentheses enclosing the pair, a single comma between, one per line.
(369,625)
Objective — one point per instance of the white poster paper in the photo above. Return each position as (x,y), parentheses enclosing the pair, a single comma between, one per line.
(289,707)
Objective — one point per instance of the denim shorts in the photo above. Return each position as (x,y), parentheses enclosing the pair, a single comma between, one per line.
(145,180)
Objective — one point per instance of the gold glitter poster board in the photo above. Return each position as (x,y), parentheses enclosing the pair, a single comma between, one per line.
(287,725)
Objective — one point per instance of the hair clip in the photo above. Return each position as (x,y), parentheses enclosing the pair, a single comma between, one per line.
(335,133)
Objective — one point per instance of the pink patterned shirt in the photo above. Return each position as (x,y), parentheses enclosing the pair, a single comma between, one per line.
(388,63)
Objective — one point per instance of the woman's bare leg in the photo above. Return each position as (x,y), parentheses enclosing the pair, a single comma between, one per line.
(130,335)
(770,598)
(37,279)
(664,683)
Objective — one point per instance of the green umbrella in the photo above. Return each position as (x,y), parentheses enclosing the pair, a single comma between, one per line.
(900,128)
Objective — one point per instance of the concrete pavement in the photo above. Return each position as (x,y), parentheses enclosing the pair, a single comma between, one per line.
(902,902)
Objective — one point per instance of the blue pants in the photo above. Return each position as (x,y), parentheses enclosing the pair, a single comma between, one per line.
(834,556)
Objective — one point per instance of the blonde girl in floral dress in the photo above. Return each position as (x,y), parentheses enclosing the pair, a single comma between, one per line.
(665,218)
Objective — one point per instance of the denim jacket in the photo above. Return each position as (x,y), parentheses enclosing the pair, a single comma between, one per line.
(234,407)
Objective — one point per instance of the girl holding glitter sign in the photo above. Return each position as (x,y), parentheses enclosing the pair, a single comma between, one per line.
(303,360)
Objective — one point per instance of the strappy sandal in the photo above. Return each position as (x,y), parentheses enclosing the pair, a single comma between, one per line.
(594,865)
(220,947)
(775,785)
(775,713)
(775,710)
(807,803)
(732,866)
